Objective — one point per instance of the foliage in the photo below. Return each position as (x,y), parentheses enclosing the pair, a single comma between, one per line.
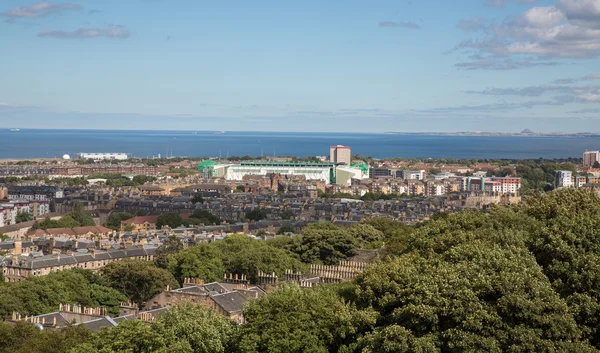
(243,255)
(197,199)
(202,329)
(115,218)
(139,280)
(199,261)
(294,320)
(186,329)
(79,217)
(567,246)
(23,216)
(24,337)
(286,228)
(171,245)
(131,336)
(236,254)
(205,217)
(170,219)
(39,295)
(467,282)
(324,243)
(256,214)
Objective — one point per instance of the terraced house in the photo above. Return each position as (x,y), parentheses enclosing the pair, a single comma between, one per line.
(18,267)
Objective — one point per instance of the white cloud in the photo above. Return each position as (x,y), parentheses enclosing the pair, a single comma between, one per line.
(407,25)
(569,29)
(502,3)
(82,33)
(543,17)
(38,10)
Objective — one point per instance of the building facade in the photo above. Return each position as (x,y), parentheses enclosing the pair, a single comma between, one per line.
(563,179)
(103,156)
(340,155)
(591,157)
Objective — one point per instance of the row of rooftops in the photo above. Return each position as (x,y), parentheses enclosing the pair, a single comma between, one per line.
(33,262)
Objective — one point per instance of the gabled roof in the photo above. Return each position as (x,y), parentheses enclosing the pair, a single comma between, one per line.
(231,302)
(141,220)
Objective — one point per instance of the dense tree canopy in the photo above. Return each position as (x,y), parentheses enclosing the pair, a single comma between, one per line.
(324,243)
(294,320)
(39,295)
(139,280)
(23,337)
(185,329)
(237,254)
(170,219)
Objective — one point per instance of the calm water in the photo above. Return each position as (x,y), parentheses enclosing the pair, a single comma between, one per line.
(55,143)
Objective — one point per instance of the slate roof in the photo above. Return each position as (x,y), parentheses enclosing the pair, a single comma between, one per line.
(60,320)
(97,324)
(32,262)
(231,302)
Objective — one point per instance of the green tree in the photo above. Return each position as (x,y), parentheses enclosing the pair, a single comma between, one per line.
(24,337)
(115,218)
(366,234)
(205,217)
(256,214)
(40,295)
(81,216)
(596,165)
(171,219)
(197,199)
(243,255)
(139,280)
(131,336)
(324,243)
(171,245)
(199,261)
(23,216)
(294,320)
(286,228)
(200,328)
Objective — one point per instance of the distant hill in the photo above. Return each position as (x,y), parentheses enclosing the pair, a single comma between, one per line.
(526,132)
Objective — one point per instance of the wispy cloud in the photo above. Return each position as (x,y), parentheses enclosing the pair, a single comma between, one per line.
(501,3)
(406,25)
(114,31)
(562,93)
(94,12)
(38,10)
(586,111)
(489,108)
(501,63)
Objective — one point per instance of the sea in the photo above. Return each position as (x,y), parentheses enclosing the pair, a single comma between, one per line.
(32,143)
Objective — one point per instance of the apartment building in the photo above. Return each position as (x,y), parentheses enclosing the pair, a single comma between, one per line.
(563,179)
(34,193)
(591,157)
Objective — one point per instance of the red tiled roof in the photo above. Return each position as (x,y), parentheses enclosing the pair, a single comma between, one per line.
(140,220)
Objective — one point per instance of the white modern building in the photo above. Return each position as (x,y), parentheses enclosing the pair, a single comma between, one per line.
(103,156)
(563,179)
(324,172)
(345,174)
(412,174)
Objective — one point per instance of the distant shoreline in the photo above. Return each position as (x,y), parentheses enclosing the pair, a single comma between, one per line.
(423,133)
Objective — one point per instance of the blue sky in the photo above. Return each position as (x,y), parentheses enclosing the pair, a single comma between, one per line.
(372,66)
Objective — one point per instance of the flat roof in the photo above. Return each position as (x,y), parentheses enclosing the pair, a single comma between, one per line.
(285,164)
